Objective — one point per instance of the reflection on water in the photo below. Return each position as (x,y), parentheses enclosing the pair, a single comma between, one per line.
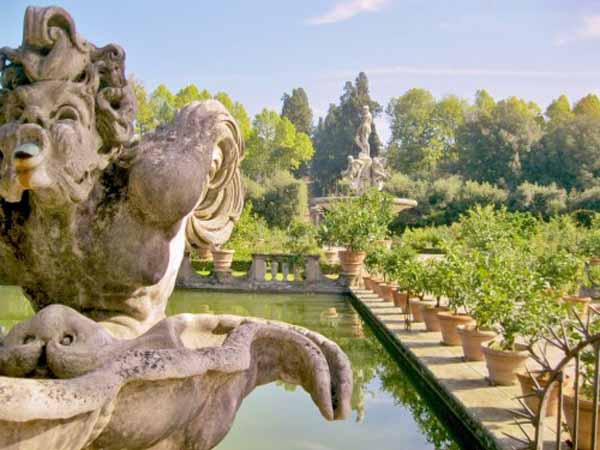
(387,411)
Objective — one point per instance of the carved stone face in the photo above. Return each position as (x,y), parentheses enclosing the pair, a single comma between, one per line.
(58,342)
(50,141)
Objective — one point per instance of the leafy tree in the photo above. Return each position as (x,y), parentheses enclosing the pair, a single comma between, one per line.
(284,200)
(274,144)
(492,146)
(588,106)
(568,154)
(190,94)
(412,146)
(484,102)
(545,201)
(449,114)
(297,109)
(423,130)
(162,102)
(145,116)
(559,110)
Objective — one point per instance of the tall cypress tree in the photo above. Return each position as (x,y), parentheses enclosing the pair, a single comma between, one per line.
(297,109)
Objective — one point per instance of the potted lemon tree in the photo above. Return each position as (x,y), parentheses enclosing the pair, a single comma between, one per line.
(355,224)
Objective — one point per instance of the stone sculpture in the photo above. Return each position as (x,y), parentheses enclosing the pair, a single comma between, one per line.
(177,386)
(364,132)
(364,172)
(96,220)
(89,217)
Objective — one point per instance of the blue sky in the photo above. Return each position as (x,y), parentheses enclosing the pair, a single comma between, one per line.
(257,50)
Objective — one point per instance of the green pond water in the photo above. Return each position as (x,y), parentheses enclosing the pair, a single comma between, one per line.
(388,413)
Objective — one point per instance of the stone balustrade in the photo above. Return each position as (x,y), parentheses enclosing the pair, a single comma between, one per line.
(268,272)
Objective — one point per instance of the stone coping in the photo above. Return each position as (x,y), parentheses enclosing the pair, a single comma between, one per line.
(484,411)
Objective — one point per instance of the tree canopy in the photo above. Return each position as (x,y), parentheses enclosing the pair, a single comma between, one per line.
(296,108)
(274,144)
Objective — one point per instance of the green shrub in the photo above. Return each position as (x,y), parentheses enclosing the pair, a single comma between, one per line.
(588,200)
(250,230)
(284,200)
(544,201)
(427,238)
(443,201)
(484,228)
(301,238)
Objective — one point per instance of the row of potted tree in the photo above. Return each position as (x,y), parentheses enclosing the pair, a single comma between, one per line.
(501,281)
(500,285)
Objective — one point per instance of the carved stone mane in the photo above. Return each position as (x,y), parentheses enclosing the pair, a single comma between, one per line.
(118,208)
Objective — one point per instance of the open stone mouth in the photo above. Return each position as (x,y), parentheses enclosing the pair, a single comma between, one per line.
(28,152)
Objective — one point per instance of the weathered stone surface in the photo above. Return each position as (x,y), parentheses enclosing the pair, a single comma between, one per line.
(179,384)
(97,220)
(90,217)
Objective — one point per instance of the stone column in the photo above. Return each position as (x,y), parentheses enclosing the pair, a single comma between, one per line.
(274,268)
(259,267)
(313,272)
(285,270)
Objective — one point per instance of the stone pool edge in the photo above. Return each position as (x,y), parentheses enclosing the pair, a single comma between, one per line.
(484,439)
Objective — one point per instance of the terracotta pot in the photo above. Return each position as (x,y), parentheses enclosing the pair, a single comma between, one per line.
(579,303)
(594,261)
(331,256)
(222,259)
(374,283)
(533,403)
(204,253)
(503,365)
(367,282)
(416,312)
(472,339)
(401,300)
(351,261)
(385,292)
(375,286)
(449,322)
(584,430)
(430,316)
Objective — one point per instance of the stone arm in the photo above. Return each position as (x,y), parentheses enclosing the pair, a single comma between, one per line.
(220,359)
(247,352)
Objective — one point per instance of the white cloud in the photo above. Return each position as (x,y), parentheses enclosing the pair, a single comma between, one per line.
(463,72)
(588,29)
(347,10)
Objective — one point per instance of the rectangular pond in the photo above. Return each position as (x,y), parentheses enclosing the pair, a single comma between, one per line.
(388,412)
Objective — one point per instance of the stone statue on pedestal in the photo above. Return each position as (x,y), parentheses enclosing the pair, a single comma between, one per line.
(364,172)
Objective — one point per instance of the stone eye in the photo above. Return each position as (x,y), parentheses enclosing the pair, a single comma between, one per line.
(67,113)
(67,339)
(28,339)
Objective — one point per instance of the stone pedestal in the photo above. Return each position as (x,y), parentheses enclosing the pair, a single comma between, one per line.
(313,269)
(258,270)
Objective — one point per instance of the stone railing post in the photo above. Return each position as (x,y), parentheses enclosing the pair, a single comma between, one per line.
(312,269)
(274,268)
(285,269)
(258,270)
